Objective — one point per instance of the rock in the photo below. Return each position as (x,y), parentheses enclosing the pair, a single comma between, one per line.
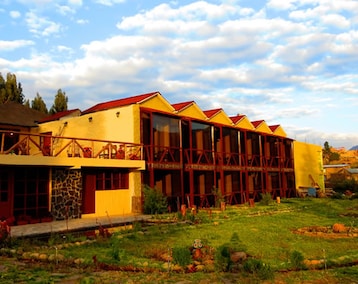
(78,261)
(238,256)
(210,267)
(43,257)
(200,267)
(34,255)
(339,228)
(166,257)
(58,257)
(26,255)
(176,268)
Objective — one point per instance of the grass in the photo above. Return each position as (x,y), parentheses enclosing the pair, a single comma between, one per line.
(265,231)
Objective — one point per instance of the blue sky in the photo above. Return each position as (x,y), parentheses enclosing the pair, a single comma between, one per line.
(292,62)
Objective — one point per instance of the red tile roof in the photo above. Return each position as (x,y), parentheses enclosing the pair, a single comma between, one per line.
(257,123)
(274,127)
(237,118)
(120,102)
(210,113)
(181,106)
(59,115)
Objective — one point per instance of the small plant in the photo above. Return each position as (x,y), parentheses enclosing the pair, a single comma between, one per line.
(236,243)
(266,198)
(154,201)
(222,258)
(116,252)
(4,233)
(258,268)
(218,196)
(181,256)
(296,259)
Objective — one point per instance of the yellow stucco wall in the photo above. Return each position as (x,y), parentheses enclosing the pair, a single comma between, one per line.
(222,118)
(112,203)
(158,102)
(280,132)
(193,111)
(245,123)
(308,161)
(263,127)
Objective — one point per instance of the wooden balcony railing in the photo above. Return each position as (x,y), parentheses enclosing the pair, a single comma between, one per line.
(20,143)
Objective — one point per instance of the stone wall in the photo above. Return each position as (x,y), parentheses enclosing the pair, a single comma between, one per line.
(66,199)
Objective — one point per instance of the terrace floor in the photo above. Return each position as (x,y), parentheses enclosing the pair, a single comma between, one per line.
(74,225)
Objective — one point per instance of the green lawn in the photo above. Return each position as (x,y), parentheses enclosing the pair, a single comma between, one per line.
(265,233)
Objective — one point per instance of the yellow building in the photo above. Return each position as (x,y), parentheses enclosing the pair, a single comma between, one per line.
(94,163)
(308,166)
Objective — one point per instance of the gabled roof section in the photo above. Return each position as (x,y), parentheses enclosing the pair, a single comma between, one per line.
(15,114)
(278,130)
(218,115)
(241,121)
(121,102)
(189,109)
(157,102)
(261,126)
(61,115)
(182,106)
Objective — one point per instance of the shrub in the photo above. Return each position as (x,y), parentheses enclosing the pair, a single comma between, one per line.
(258,268)
(116,252)
(218,196)
(266,198)
(341,185)
(236,243)
(154,201)
(222,258)
(297,259)
(181,256)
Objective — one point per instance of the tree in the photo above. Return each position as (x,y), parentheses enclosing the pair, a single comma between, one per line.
(60,103)
(328,155)
(38,104)
(10,90)
(27,103)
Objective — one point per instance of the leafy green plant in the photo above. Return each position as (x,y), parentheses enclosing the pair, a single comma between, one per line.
(266,198)
(116,252)
(258,268)
(236,243)
(218,196)
(181,256)
(222,258)
(154,201)
(296,259)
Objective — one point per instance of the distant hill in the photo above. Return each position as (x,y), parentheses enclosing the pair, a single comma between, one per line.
(354,147)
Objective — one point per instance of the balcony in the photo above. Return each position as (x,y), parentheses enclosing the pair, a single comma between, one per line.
(19,148)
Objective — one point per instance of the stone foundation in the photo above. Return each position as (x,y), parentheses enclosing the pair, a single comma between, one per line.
(66,198)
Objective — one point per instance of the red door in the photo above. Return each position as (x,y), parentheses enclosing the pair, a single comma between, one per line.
(46,143)
(89,192)
(5,194)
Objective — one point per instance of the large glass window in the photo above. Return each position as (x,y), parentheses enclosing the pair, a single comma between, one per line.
(166,131)
(201,134)
(112,179)
(31,192)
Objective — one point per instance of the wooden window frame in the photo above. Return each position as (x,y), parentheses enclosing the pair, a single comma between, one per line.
(112,180)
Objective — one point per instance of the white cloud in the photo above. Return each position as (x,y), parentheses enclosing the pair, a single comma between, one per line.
(82,22)
(281,5)
(14,44)
(41,26)
(15,14)
(109,2)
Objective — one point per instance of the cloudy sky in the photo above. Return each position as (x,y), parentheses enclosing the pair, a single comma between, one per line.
(289,62)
